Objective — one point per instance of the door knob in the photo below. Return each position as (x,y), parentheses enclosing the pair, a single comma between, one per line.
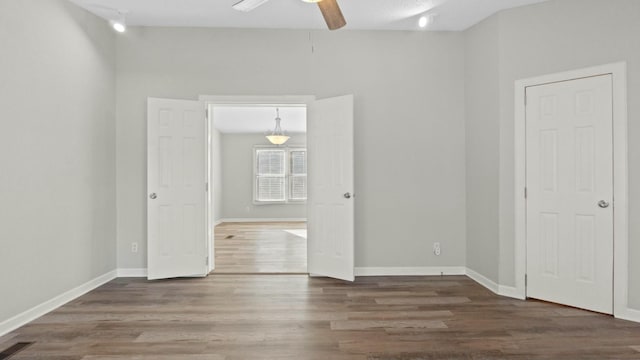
(153,196)
(347,195)
(603,204)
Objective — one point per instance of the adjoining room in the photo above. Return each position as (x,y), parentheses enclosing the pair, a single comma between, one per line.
(259,159)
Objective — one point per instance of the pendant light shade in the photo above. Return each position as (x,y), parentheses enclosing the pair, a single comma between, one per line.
(277,136)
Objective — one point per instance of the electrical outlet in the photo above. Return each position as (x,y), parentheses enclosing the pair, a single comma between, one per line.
(436,248)
(134,247)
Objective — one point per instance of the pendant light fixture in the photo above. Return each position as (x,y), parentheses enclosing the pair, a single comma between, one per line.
(277,136)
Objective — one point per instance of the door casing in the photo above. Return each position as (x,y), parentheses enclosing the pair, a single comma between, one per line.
(618,72)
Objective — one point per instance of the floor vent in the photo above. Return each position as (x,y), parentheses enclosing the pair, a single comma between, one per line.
(14,349)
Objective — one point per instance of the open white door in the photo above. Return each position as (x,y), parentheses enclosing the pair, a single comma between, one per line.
(176,240)
(330,250)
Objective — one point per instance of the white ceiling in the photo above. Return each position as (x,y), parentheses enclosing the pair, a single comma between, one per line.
(451,15)
(230,119)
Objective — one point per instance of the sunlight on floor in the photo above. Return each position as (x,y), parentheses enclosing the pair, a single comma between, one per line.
(298,232)
(274,247)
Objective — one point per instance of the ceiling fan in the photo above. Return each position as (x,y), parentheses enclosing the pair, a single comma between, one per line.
(329,9)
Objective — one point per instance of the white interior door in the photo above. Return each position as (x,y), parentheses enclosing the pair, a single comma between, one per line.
(330,250)
(569,128)
(176,223)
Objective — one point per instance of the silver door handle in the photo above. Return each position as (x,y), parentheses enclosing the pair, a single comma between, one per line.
(153,196)
(347,195)
(603,204)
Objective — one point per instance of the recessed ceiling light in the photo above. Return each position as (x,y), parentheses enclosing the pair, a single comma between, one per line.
(119,24)
(426,20)
(423,21)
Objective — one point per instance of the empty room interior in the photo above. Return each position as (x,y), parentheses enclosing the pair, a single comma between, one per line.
(328,179)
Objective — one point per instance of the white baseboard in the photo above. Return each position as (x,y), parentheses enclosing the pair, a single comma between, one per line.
(510,291)
(217,222)
(241,220)
(37,311)
(410,271)
(502,290)
(483,280)
(629,314)
(132,273)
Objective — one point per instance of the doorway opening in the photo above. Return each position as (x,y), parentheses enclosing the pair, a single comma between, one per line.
(258,191)
(185,189)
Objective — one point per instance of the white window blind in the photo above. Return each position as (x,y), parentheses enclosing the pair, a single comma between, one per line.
(270,177)
(280,175)
(298,175)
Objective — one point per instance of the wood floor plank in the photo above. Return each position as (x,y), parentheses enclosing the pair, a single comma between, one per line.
(155,357)
(398,315)
(441,300)
(236,317)
(386,324)
(256,247)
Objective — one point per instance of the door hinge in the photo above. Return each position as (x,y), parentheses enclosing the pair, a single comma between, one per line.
(525,192)
(206,261)
(525,280)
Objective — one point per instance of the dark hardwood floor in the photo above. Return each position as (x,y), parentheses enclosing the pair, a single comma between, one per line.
(295,317)
(255,247)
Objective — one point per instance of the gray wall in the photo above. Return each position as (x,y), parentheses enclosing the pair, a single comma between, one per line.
(571,34)
(482,106)
(408,86)
(237,180)
(216,174)
(541,39)
(57,150)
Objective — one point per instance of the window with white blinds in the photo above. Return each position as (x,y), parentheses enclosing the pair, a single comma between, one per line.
(270,175)
(280,175)
(298,175)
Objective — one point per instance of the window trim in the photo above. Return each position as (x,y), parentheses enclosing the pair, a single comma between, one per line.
(287,175)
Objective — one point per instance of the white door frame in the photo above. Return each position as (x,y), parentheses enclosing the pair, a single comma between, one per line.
(618,72)
(208,100)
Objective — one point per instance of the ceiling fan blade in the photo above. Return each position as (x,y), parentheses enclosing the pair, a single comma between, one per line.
(248,5)
(332,14)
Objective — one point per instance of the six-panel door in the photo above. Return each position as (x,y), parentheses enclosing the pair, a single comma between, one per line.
(569,146)
(176,166)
